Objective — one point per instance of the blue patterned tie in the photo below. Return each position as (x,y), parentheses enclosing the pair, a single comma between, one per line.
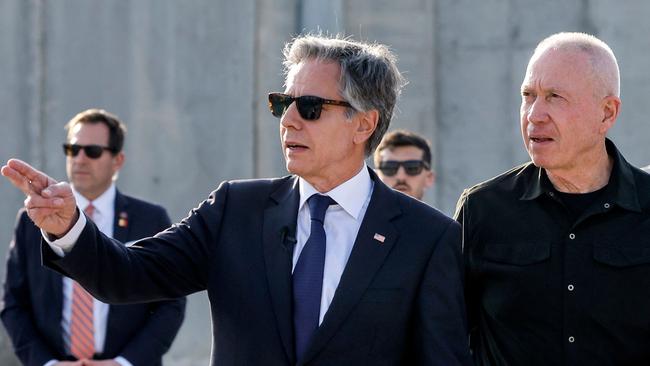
(308,276)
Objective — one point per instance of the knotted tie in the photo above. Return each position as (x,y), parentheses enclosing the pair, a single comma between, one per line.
(308,276)
(82,335)
(90,210)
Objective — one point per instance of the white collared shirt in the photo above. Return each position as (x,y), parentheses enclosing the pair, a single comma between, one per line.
(342,222)
(104,214)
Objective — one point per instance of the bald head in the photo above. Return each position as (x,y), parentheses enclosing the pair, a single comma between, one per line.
(602,61)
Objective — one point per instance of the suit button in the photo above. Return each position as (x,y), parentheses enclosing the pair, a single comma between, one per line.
(572,236)
(571,339)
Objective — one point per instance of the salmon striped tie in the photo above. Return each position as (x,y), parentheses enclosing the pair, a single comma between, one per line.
(82,334)
(90,210)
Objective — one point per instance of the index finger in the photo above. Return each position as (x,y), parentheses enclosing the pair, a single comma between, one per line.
(20,181)
(25,177)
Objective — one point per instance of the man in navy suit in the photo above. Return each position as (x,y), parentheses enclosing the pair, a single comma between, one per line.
(327,266)
(39,303)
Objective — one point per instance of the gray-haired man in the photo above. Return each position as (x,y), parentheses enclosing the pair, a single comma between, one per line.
(327,266)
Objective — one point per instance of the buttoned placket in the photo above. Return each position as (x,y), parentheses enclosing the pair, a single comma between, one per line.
(571,254)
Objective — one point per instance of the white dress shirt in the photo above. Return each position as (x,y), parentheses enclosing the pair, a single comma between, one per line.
(342,222)
(103,217)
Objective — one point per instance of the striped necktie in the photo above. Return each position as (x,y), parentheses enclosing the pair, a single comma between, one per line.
(82,334)
(82,330)
(90,210)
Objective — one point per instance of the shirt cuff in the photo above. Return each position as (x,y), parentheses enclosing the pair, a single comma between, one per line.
(65,243)
(122,361)
(51,363)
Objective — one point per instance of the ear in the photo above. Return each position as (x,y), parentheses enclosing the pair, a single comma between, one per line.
(430,179)
(118,161)
(611,107)
(367,125)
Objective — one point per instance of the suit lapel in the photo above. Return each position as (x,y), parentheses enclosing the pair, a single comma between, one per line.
(121,229)
(366,258)
(279,230)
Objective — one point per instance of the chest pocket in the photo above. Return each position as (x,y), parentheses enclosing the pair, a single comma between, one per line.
(517,253)
(623,256)
(628,246)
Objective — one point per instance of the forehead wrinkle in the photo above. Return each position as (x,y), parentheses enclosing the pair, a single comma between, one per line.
(557,71)
(593,64)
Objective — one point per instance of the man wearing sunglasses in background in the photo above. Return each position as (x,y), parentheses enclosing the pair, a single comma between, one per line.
(403,162)
(50,319)
(327,266)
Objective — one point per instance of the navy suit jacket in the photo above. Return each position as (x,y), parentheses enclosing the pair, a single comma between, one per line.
(399,302)
(33,297)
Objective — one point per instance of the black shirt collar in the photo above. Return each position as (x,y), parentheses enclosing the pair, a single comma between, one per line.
(620,190)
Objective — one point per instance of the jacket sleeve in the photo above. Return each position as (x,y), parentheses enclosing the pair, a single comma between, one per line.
(171,264)
(17,312)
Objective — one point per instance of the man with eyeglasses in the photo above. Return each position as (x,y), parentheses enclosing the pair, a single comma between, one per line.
(403,162)
(51,319)
(327,266)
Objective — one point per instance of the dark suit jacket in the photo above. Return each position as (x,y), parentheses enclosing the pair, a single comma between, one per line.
(399,302)
(33,297)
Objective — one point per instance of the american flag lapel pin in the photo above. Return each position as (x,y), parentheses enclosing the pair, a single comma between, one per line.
(123,219)
(380,238)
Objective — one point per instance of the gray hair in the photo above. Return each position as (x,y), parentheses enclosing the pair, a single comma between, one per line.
(601,57)
(369,75)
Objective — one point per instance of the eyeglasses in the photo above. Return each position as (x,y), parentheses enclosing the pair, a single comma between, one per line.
(309,106)
(91,151)
(411,167)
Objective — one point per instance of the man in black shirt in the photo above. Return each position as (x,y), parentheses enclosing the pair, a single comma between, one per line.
(558,250)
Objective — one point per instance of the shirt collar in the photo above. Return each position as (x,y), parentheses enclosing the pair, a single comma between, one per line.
(103,203)
(350,195)
(537,184)
(621,188)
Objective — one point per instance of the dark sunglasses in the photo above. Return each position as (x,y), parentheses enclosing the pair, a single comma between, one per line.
(309,106)
(91,151)
(411,167)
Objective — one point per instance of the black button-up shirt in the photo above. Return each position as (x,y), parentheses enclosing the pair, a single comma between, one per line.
(544,289)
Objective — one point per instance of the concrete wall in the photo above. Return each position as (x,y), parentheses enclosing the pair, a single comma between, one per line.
(190,80)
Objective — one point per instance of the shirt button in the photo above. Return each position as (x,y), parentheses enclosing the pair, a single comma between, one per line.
(606,205)
(571,339)
(572,236)
(570,287)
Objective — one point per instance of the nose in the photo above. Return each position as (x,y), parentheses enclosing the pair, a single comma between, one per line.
(81,156)
(291,117)
(537,112)
(401,173)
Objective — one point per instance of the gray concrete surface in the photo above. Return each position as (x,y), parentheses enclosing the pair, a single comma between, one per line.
(190,80)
